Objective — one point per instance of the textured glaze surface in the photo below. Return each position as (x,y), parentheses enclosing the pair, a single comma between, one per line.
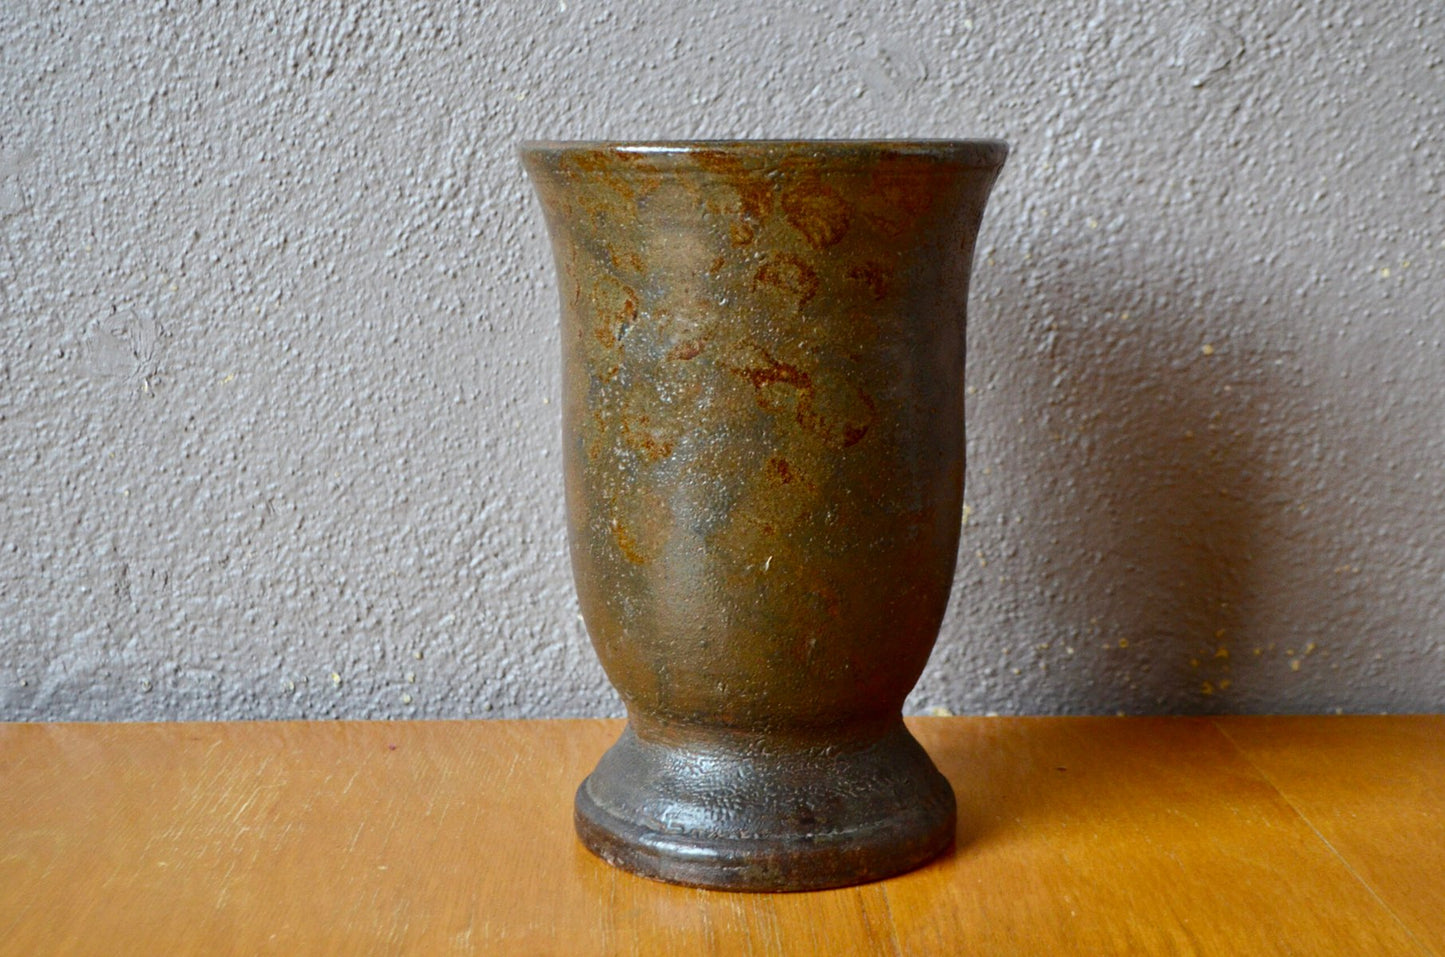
(763,350)
(763,440)
(278,376)
(767,813)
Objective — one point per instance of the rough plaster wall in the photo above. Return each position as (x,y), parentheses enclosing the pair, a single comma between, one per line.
(279,344)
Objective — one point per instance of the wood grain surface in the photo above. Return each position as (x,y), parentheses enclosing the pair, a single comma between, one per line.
(1229,836)
(1374,789)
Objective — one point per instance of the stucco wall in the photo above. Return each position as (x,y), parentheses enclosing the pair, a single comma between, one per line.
(278,395)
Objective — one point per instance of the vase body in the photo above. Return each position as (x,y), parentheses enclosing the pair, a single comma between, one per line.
(763,354)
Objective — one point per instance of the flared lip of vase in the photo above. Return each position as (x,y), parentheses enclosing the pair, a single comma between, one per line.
(984,153)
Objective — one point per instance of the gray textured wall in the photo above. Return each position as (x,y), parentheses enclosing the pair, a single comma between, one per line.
(277,402)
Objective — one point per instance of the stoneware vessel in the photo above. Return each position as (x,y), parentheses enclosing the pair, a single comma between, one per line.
(763,350)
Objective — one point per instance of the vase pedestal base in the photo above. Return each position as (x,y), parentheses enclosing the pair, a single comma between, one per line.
(738,811)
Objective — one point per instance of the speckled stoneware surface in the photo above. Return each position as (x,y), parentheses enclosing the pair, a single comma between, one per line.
(764,446)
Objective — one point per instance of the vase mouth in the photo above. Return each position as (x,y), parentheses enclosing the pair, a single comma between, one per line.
(984,153)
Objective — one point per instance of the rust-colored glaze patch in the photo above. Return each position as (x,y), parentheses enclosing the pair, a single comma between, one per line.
(646,441)
(876,276)
(755,193)
(837,413)
(686,350)
(615,307)
(842,421)
(901,190)
(628,261)
(779,466)
(816,211)
(763,370)
(627,545)
(641,522)
(603,166)
(791,275)
(626,177)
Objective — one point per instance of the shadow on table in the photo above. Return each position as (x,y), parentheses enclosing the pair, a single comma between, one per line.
(1075,777)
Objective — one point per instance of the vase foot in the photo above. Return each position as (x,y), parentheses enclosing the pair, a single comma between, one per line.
(739,812)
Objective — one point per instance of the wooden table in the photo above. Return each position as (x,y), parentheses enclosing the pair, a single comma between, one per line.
(1227,836)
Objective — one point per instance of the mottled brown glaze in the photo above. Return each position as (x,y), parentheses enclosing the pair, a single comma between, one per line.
(763,413)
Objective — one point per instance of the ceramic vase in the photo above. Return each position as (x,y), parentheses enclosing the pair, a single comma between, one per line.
(763,357)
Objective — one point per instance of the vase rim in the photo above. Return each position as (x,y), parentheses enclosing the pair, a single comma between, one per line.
(968,152)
